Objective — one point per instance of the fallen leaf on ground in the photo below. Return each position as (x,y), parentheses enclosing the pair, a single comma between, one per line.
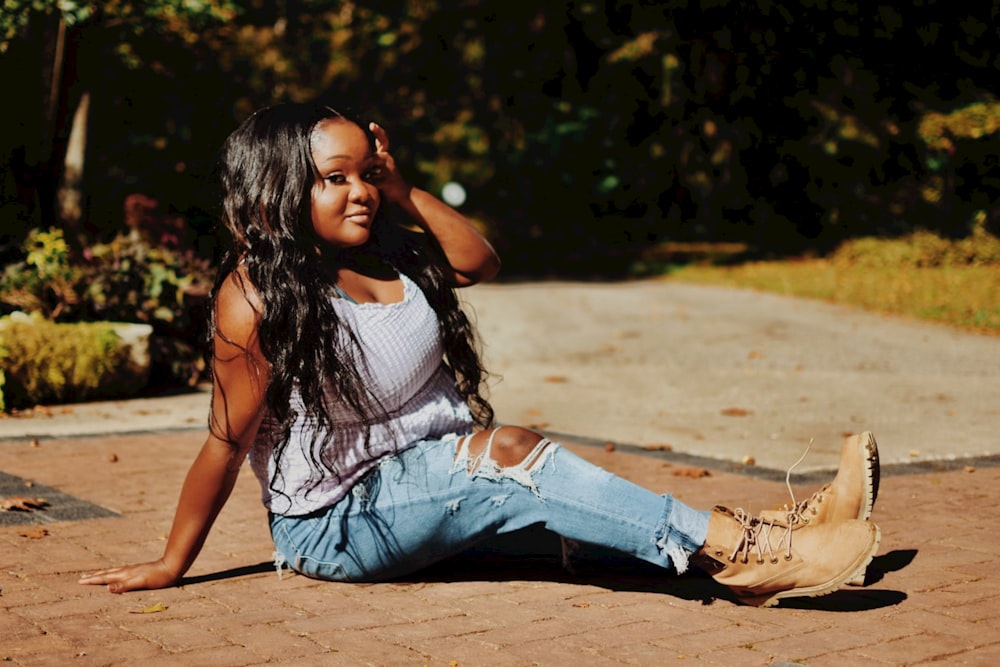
(23,504)
(154,609)
(691,472)
(34,533)
(556,378)
(736,412)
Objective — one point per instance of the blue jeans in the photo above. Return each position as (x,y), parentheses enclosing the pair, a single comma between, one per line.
(433,500)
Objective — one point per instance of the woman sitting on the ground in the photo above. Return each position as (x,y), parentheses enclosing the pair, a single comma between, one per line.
(346,370)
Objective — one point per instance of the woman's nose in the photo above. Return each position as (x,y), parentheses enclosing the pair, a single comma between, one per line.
(360,193)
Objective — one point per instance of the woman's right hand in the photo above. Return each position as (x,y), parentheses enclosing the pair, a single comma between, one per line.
(141,576)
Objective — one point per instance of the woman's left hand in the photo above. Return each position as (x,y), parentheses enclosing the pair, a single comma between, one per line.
(390,182)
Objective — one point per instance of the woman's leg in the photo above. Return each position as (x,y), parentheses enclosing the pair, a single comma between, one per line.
(437,499)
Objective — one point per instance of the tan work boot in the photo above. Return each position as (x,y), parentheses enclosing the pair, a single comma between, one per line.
(763,561)
(851,494)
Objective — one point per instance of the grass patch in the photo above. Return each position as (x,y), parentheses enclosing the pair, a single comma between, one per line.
(951,285)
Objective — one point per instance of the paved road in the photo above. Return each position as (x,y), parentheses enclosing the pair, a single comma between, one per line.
(729,374)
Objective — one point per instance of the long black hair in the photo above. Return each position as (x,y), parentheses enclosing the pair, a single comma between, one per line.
(267,175)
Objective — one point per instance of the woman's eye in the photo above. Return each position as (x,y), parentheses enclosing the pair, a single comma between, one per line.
(336,179)
(373,174)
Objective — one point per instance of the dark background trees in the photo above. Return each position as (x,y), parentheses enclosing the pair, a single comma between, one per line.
(584,132)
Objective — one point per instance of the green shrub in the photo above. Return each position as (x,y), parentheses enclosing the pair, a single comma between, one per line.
(45,362)
(125,280)
(129,280)
(923,249)
(45,281)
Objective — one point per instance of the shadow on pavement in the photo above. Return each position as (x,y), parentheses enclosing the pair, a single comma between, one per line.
(233,573)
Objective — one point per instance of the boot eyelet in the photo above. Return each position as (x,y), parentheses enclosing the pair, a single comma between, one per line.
(774,561)
(788,558)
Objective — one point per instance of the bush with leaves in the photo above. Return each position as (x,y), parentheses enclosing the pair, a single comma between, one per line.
(923,249)
(125,280)
(49,362)
(45,281)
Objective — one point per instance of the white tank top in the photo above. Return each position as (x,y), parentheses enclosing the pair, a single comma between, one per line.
(402,347)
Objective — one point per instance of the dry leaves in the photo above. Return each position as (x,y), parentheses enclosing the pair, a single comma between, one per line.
(694,473)
(22,504)
(33,533)
(154,609)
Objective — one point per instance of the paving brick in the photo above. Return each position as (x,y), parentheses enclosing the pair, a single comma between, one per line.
(929,646)
(127,652)
(270,641)
(365,649)
(35,649)
(178,636)
(558,651)
(934,595)
(15,628)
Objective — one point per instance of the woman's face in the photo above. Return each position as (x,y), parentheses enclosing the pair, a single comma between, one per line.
(344,199)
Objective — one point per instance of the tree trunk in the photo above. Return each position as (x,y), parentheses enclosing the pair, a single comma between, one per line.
(70,197)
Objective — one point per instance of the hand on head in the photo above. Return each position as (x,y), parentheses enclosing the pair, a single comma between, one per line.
(390,182)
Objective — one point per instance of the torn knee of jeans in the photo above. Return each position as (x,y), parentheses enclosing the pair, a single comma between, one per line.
(484,466)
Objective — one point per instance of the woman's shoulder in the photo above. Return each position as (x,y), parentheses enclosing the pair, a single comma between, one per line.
(238,305)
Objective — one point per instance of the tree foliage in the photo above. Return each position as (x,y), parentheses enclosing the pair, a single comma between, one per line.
(583,131)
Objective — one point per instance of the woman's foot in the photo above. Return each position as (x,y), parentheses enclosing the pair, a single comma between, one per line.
(764,560)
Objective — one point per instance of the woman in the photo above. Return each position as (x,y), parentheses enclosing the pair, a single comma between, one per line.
(346,371)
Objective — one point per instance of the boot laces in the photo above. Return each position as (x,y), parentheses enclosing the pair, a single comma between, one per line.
(795,513)
(757,538)
(758,532)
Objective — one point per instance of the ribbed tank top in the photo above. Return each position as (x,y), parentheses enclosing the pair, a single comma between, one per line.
(404,365)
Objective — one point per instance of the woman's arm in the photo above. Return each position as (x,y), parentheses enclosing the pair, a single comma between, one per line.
(240,378)
(471,257)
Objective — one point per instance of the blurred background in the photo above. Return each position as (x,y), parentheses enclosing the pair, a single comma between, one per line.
(591,140)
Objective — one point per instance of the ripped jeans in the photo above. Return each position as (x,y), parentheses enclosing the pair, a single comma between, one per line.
(432,501)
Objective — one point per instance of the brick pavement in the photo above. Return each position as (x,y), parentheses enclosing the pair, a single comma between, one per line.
(931,598)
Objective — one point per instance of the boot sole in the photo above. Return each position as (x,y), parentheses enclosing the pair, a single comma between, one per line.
(869,454)
(837,583)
